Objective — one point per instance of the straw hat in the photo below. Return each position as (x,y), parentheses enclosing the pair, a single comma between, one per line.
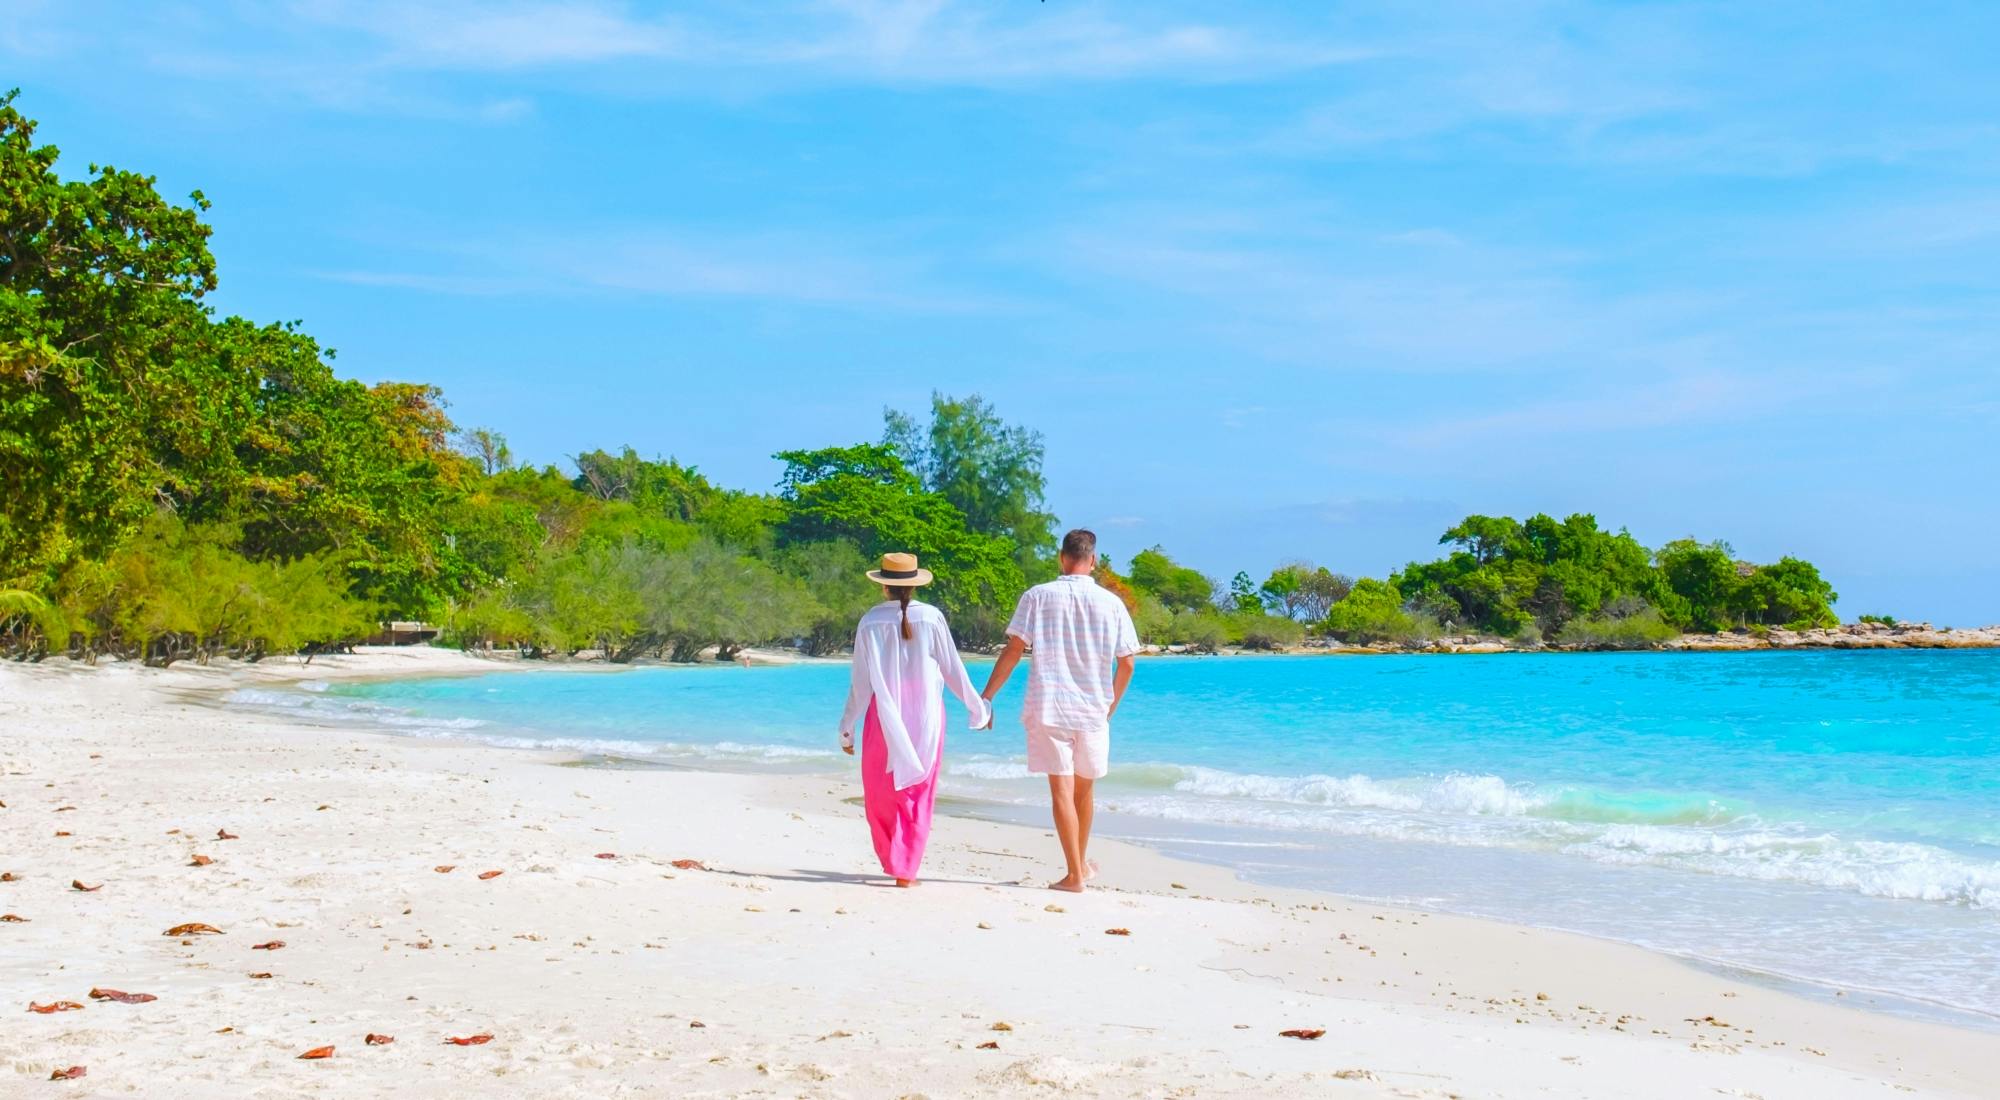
(900,569)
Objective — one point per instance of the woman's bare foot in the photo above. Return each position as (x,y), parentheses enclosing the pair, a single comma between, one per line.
(1068,883)
(906,883)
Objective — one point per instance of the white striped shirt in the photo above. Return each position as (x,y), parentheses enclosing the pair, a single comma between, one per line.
(1076,630)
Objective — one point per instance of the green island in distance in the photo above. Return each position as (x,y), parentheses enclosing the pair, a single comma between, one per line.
(181,485)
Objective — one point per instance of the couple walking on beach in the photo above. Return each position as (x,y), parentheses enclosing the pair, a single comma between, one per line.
(1083,644)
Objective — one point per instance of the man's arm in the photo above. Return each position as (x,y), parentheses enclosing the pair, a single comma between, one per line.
(1003,667)
(1121,678)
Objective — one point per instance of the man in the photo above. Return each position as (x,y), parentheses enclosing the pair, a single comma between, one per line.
(1083,642)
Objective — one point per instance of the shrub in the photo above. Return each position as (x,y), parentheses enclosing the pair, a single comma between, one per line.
(1254,630)
(1372,612)
(1884,620)
(1641,630)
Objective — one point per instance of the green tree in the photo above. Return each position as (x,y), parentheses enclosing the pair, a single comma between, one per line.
(990,471)
(864,495)
(1371,612)
(1703,579)
(1177,586)
(1243,595)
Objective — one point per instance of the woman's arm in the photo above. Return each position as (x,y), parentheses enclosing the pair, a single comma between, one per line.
(860,687)
(945,652)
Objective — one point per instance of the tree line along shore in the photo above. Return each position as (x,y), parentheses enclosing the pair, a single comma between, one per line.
(182,485)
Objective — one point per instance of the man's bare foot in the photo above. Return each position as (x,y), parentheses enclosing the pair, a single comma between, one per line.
(906,883)
(1068,883)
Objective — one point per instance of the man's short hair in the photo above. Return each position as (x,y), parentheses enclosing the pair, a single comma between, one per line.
(1079,544)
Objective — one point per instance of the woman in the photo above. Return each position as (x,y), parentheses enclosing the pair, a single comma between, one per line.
(903,657)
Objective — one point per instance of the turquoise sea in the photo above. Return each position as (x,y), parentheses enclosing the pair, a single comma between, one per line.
(1826,817)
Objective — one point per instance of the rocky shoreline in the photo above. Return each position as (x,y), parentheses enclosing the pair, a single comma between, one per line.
(1902,635)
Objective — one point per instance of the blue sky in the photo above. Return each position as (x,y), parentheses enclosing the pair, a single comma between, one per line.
(1274,280)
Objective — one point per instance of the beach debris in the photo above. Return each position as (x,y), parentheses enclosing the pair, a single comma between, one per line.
(1541,996)
(1177,885)
(1117,931)
(224,834)
(193,929)
(834,1035)
(64,809)
(480,1039)
(200,860)
(990,1044)
(54,1006)
(322,806)
(375,1040)
(120,996)
(317,1053)
(1303,1032)
(261,974)
(12,918)
(607,855)
(696,1023)
(1053,908)
(1001,1025)
(1358,1074)
(224,1030)
(445,868)
(70,1074)
(690,865)
(9,876)
(61,833)
(271,946)
(484,875)
(985,926)
(77,885)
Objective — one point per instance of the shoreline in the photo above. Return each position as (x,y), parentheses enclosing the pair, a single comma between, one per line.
(1217,952)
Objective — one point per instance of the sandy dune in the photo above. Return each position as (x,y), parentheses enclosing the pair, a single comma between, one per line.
(783,969)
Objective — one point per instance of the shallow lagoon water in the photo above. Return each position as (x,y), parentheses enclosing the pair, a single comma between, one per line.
(1827,816)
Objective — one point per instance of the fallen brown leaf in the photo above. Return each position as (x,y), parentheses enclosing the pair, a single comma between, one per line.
(224,834)
(989,1045)
(271,946)
(1117,931)
(375,1040)
(192,929)
(261,974)
(690,865)
(54,1006)
(70,1074)
(480,1039)
(9,876)
(224,1030)
(607,855)
(59,832)
(696,1023)
(64,809)
(1303,1032)
(10,918)
(483,875)
(318,1052)
(1001,1025)
(77,884)
(121,997)
(200,861)
(445,868)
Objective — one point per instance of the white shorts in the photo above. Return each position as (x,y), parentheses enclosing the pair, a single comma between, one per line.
(1084,754)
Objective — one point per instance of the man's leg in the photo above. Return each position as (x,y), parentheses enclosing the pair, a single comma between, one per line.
(1062,800)
(1086,807)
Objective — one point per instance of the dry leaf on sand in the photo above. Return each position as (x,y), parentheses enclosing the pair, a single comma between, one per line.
(70,1074)
(480,1039)
(191,929)
(317,1053)
(1303,1032)
(375,1040)
(121,997)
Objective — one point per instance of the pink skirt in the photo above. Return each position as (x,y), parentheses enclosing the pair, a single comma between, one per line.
(899,821)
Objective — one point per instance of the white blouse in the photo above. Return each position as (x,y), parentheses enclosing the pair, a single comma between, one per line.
(905,679)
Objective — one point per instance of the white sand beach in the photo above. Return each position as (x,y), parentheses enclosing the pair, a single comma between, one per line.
(784,968)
